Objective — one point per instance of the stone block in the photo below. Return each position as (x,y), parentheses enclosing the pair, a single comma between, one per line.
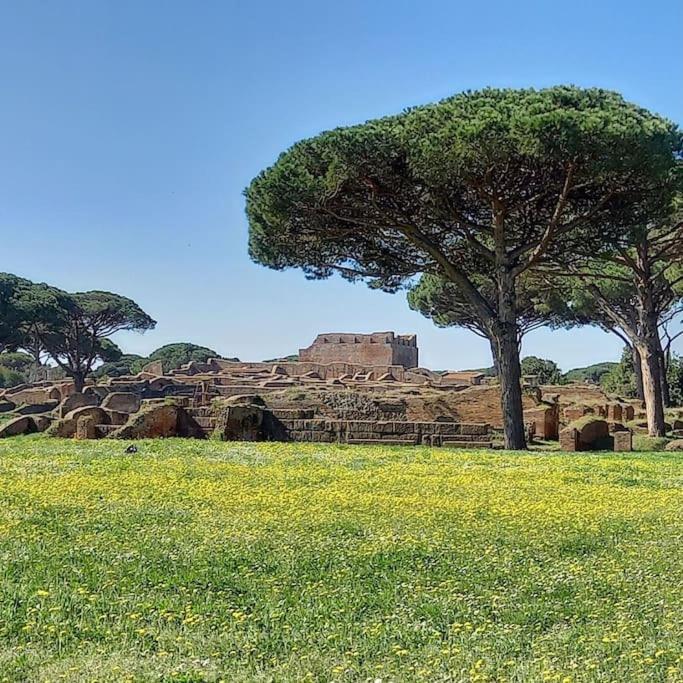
(569,439)
(479,429)
(447,428)
(623,440)
(18,425)
(96,412)
(77,401)
(37,408)
(615,412)
(117,418)
(575,412)
(122,402)
(153,422)
(86,427)
(6,406)
(240,423)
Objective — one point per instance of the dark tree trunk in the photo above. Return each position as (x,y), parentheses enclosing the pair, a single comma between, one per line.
(638,371)
(506,335)
(652,390)
(649,347)
(494,355)
(79,382)
(510,375)
(666,394)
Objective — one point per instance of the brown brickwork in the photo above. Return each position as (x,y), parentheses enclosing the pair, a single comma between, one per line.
(569,440)
(623,441)
(378,348)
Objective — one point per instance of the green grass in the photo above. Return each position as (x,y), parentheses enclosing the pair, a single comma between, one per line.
(206,561)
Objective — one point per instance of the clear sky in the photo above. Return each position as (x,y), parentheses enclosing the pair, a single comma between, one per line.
(129,128)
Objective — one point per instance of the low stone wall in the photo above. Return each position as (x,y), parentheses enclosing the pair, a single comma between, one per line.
(307,428)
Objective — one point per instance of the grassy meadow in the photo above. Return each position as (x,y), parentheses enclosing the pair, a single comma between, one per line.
(204,561)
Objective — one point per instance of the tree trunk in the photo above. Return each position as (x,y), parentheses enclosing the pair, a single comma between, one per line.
(494,355)
(638,371)
(666,394)
(652,388)
(79,382)
(510,375)
(649,345)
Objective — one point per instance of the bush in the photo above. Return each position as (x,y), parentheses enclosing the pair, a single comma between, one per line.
(15,360)
(127,364)
(546,370)
(675,377)
(642,442)
(172,356)
(9,377)
(621,378)
(592,373)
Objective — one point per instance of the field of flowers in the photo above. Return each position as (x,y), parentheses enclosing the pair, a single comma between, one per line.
(204,561)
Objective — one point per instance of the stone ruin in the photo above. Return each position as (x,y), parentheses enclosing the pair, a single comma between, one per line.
(368,390)
(367,350)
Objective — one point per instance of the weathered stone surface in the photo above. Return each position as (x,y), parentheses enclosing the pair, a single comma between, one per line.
(19,425)
(36,408)
(480,429)
(675,445)
(379,348)
(86,427)
(569,439)
(615,412)
(66,427)
(575,412)
(27,395)
(99,391)
(623,440)
(244,400)
(153,422)
(77,401)
(158,420)
(592,433)
(545,420)
(116,417)
(122,402)
(6,406)
(240,423)
(42,422)
(96,412)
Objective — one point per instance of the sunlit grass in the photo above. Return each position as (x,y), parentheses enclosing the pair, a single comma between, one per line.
(207,561)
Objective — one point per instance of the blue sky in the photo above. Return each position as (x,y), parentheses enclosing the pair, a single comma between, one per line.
(128,130)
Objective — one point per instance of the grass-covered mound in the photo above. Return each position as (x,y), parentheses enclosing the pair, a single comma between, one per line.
(206,561)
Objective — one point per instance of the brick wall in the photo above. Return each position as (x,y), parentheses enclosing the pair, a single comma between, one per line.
(300,425)
(379,348)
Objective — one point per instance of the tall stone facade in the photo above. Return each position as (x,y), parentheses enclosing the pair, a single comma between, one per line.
(378,348)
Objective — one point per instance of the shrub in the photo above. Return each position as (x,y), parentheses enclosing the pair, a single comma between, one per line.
(9,377)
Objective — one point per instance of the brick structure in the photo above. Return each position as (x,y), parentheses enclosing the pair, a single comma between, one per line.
(378,348)
(623,440)
(569,440)
(546,421)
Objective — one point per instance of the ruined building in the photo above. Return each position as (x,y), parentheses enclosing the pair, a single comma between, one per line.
(345,388)
(368,350)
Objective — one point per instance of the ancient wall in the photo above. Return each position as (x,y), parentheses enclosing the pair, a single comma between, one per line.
(379,348)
